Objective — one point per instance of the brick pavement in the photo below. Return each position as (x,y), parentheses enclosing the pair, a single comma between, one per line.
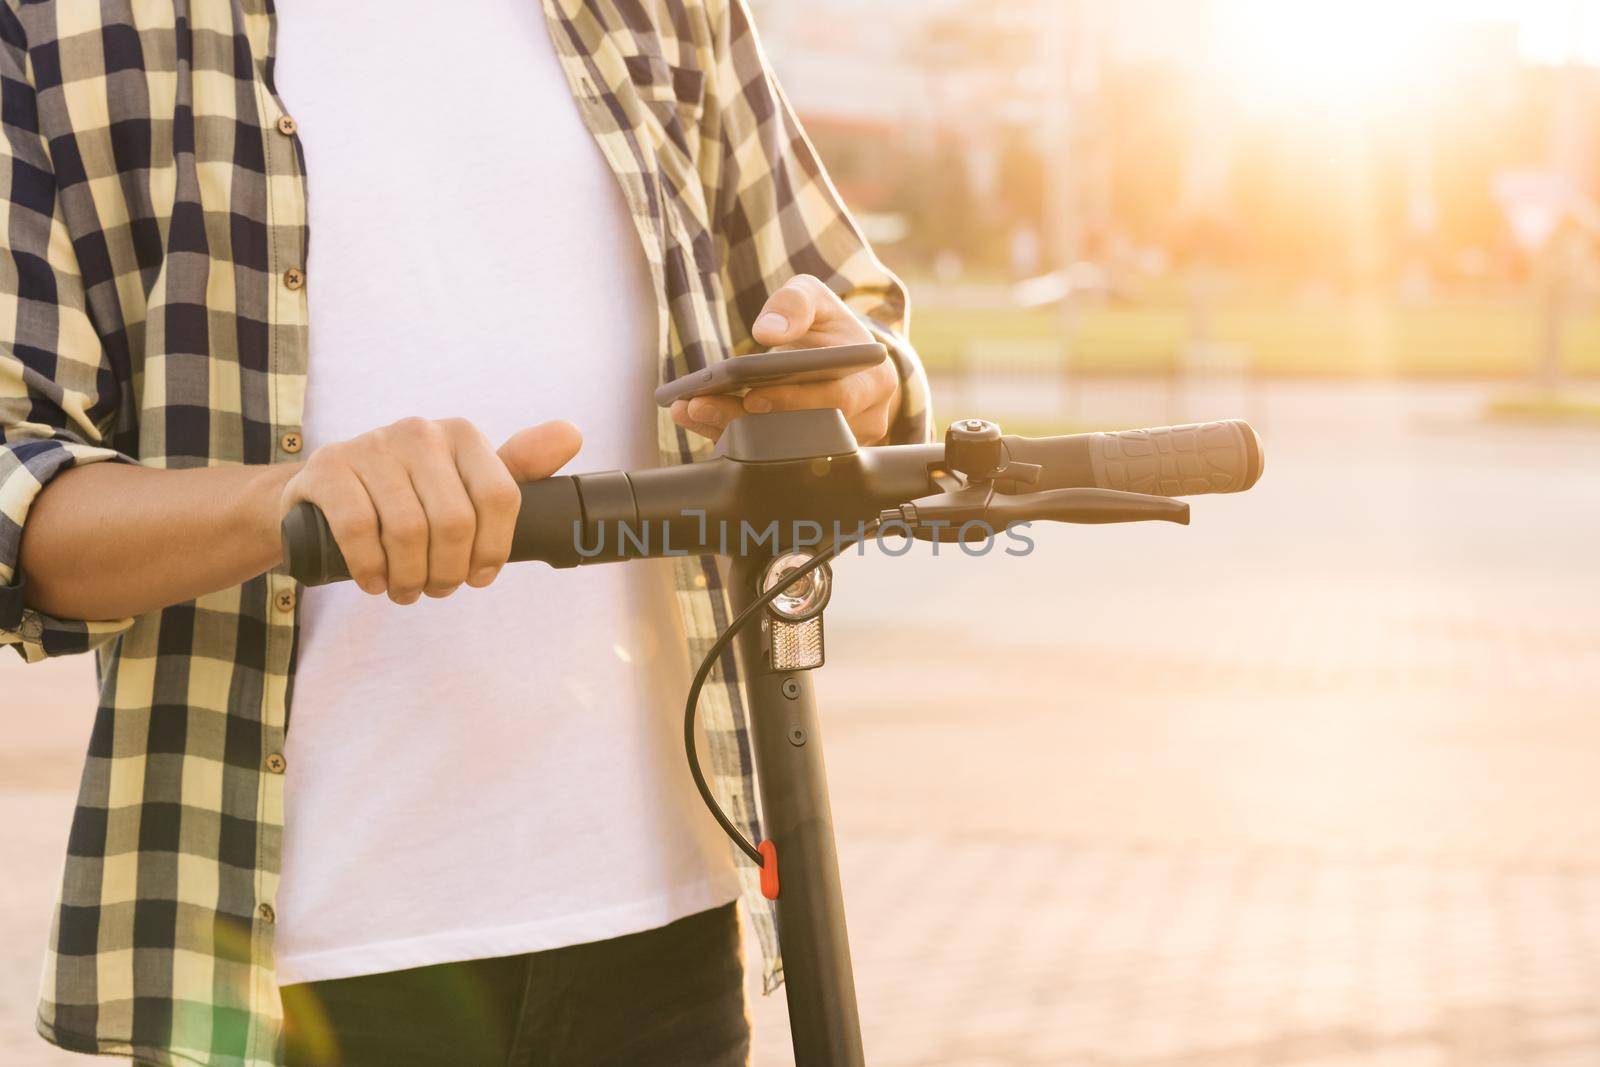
(972,951)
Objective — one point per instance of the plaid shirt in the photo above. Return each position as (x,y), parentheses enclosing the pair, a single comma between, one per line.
(152,310)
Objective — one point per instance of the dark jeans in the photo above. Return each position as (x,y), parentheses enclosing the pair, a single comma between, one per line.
(662,997)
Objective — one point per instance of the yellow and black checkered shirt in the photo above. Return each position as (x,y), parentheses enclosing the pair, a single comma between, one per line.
(153,294)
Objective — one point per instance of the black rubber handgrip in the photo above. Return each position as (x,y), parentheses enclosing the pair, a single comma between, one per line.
(1207,457)
(544,531)
(310,553)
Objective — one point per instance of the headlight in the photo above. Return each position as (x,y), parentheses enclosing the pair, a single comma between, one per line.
(805,597)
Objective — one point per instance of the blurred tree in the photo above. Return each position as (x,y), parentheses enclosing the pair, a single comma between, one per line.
(944,213)
(1145,115)
(1021,180)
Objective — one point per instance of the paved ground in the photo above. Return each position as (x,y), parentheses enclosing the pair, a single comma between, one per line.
(1307,784)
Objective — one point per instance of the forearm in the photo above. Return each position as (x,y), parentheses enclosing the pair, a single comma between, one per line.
(108,541)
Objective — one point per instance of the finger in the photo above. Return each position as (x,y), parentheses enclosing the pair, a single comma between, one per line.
(849,394)
(680,415)
(540,451)
(871,423)
(788,313)
(402,526)
(354,523)
(715,411)
(495,500)
(870,426)
(452,521)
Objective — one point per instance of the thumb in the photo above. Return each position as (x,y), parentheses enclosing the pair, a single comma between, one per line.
(540,451)
(788,313)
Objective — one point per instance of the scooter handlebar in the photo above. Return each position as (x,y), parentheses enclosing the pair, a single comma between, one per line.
(1213,457)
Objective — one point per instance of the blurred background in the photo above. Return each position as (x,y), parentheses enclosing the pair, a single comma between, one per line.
(1259,188)
(1312,782)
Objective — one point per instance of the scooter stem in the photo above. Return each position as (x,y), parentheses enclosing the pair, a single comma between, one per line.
(786,739)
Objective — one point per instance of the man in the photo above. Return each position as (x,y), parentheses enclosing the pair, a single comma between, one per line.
(478,844)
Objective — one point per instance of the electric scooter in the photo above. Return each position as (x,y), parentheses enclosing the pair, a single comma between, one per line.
(783,494)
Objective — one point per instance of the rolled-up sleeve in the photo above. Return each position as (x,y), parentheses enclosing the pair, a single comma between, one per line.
(778,215)
(57,390)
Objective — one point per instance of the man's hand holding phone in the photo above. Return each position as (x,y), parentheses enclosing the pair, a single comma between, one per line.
(805,313)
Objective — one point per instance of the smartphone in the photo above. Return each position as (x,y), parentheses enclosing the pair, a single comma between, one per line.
(772,368)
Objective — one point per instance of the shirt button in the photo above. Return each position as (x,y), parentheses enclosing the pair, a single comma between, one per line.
(287,125)
(291,443)
(294,278)
(267,914)
(285,600)
(276,763)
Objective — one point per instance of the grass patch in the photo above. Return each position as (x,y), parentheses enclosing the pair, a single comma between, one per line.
(1467,339)
(1047,426)
(1546,408)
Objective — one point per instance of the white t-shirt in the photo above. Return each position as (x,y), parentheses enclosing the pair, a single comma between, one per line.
(500,771)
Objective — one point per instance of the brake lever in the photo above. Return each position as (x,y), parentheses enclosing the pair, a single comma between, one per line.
(1088,506)
(948,516)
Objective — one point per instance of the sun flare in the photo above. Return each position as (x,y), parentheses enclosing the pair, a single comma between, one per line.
(1354,53)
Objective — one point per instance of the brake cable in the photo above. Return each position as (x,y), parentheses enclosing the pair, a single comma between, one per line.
(710,661)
